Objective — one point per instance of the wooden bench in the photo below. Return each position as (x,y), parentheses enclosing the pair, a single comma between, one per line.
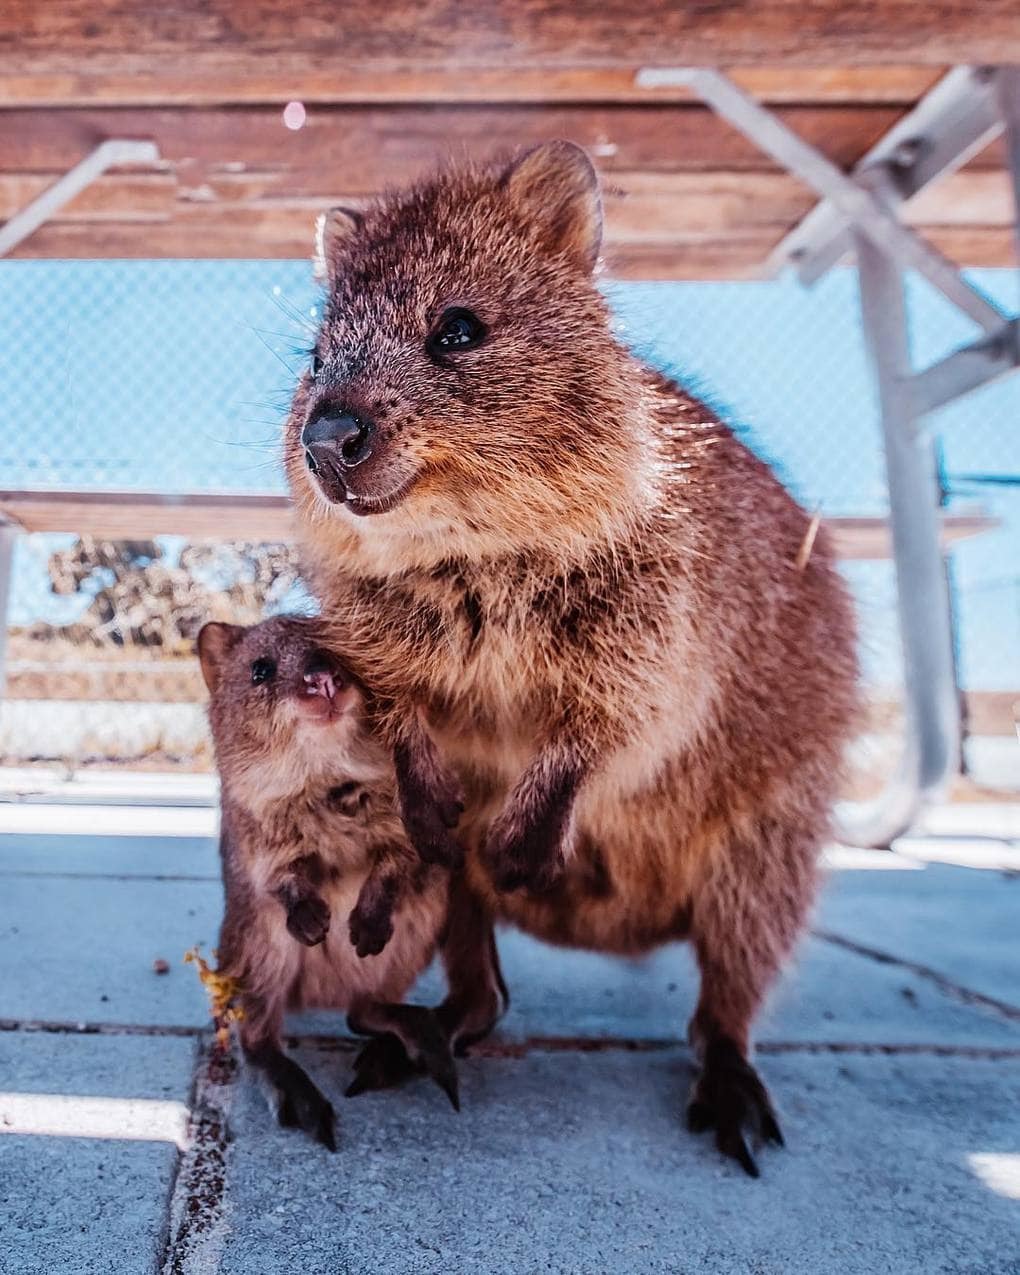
(132,515)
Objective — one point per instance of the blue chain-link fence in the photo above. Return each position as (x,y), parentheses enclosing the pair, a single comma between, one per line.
(175,375)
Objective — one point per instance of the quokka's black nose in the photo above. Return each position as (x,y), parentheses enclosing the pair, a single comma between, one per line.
(336,440)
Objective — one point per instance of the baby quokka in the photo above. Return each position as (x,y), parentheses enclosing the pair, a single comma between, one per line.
(327,905)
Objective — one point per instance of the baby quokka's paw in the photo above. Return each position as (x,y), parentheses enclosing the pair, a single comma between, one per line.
(527,850)
(308,919)
(370,925)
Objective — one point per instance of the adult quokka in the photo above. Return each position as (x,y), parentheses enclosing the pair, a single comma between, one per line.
(570,576)
(327,904)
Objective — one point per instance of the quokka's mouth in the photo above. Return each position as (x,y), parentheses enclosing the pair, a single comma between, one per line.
(332,486)
(324,710)
(366,505)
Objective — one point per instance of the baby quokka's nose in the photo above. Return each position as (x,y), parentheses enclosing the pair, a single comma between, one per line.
(321,677)
(337,440)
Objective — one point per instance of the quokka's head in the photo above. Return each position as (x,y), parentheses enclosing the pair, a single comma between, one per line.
(280,703)
(465,385)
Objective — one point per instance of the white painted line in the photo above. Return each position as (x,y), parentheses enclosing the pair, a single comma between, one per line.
(59,1115)
(998,856)
(849,859)
(22,783)
(999,1172)
(972,818)
(108,821)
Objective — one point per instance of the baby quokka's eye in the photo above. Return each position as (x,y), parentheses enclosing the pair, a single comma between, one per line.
(262,670)
(317,364)
(457,330)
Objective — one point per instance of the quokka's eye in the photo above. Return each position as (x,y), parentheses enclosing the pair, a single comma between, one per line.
(317,364)
(262,670)
(457,330)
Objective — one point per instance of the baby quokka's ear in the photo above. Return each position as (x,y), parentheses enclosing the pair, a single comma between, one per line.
(215,642)
(556,187)
(333,229)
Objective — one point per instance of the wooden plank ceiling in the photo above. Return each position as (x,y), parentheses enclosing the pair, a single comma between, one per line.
(393,88)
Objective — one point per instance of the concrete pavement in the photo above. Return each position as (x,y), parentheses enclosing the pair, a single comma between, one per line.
(893,1052)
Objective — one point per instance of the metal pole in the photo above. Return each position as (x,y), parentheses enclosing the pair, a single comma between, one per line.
(8,535)
(1009,104)
(932,750)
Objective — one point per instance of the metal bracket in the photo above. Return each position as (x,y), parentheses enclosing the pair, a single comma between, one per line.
(1008,90)
(108,154)
(859,206)
(961,115)
(967,369)
(951,124)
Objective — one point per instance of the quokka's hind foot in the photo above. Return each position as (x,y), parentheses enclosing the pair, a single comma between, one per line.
(381,1064)
(298,1100)
(311,1112)
(729,1097)
(408,1041)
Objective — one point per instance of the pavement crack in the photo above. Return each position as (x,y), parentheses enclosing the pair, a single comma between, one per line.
(523,1047)
(967,995)
(197,1228)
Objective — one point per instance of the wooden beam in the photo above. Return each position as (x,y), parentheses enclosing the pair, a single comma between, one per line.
(122,197)
(288,44)
(130,515)
(686,196)
(272,232)
(870,539)
(967,198)
(319,84)
(363,149)
(640,207)
(234,516)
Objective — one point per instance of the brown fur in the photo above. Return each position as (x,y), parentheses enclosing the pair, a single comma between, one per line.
(586,587)
(326,903)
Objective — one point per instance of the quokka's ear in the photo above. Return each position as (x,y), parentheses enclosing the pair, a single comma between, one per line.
(555,185)
(332,230)
(215,642)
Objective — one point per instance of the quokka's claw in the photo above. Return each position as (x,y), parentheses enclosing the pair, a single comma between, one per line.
(302,1106)
(444,1072)
(381,1064)
(730,1098)
(386,1061)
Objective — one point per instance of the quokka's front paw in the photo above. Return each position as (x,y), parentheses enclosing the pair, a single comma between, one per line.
(429,828)
(525,854)
(308,920)
(370,925)
(431,804)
